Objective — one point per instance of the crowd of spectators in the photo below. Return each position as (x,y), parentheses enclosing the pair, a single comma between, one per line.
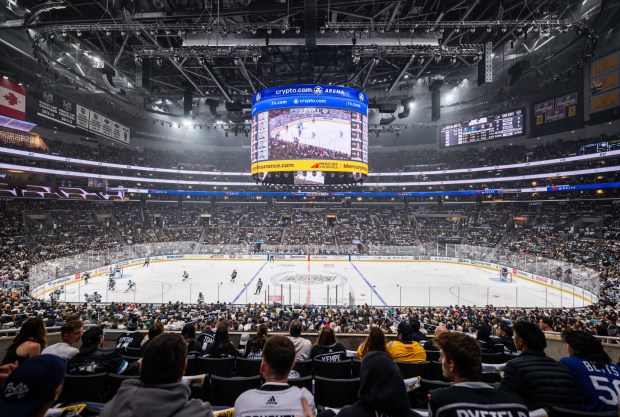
(281,149)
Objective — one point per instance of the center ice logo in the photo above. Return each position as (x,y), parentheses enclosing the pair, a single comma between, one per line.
(308,279)
(318,90)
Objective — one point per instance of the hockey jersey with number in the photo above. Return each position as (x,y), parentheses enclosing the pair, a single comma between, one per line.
(273,400)
(599,386)
(130,339)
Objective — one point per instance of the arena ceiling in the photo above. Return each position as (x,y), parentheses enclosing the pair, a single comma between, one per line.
(144,56)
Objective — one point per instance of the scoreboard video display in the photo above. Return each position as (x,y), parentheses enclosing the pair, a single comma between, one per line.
(496,126)
(309,130)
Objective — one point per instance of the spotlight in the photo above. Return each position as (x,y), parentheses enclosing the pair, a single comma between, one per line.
(269,31)
(489,29)
(298,31)
(78,33)
(108,33)
(504,29)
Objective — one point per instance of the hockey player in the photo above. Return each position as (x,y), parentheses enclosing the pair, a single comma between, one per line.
(185,276)
(233,275)
(201,298)
(504,274)
(111,283)
(259,286)
(86,278)
(96,297)
(147,261)
(131,286)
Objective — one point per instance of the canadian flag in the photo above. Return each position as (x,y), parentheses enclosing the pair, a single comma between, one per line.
(12,99)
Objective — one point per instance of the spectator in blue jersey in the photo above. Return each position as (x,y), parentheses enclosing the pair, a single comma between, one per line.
(597,377)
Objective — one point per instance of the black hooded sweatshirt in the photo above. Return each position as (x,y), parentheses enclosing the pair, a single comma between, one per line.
(382,390)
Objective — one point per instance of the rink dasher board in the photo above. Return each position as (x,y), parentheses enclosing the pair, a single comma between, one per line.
(44,289)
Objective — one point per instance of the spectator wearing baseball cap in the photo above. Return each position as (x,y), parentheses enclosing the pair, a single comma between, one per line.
(33,387)
(404,349)
(93,359)
(131,338)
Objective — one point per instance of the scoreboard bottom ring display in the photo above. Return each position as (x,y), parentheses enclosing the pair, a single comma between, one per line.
(309,172)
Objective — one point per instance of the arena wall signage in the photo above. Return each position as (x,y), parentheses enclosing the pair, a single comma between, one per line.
(14,137)
(76,161)
(67,113)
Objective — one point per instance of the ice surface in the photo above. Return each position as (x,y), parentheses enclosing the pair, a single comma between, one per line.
(377,283)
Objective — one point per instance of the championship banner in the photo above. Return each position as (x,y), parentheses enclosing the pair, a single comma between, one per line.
(606,82)
(63,111)
(605,64)
(604,101)
(12,99)
(309,165)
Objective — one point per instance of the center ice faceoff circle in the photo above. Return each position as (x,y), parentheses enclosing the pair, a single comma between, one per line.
(319,279)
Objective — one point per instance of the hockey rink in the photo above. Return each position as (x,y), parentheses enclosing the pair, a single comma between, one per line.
(323,133)
(380,283)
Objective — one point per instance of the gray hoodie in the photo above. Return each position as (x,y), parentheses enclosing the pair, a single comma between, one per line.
(303,347)
(135,399)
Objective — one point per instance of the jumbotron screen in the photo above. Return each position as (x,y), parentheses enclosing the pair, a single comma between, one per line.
(495,126)
(309,130)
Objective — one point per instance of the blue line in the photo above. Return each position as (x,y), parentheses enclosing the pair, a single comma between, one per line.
(369,286)
(248,284)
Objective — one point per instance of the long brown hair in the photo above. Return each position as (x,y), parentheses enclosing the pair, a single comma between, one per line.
(259,341)
(374,342)
(327,337)
(32,330)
